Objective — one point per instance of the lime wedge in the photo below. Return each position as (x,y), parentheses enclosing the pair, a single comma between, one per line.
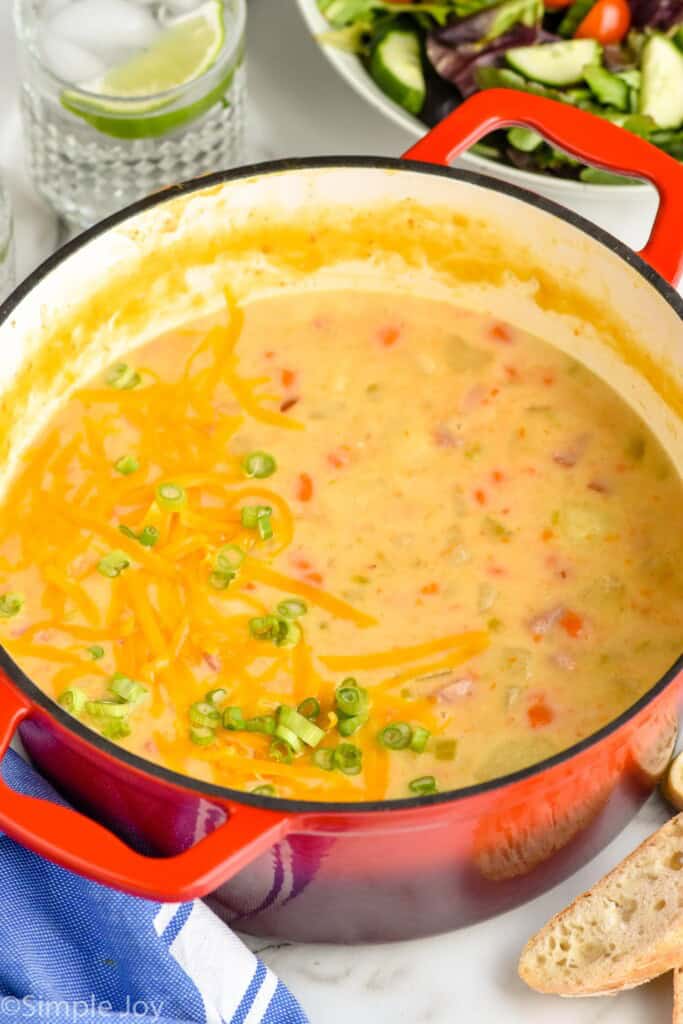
(122,102)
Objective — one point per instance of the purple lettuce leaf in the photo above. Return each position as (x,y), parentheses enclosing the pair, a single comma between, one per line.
(658,14)
(456,57)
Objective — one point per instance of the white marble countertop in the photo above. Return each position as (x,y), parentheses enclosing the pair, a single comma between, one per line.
(299,107)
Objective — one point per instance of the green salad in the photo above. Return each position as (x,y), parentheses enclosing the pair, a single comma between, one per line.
(619,59)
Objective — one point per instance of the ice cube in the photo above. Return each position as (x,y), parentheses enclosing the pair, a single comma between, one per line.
(68,60)
(110,29)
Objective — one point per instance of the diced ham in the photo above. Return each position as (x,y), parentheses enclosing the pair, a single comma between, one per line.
(541,624)
(573,452)
(213,661)
(455,690)
(599,485)
(445,438)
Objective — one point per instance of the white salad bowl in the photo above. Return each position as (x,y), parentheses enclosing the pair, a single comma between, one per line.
(626,210)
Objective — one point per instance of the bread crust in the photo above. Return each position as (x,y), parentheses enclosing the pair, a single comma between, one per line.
(624,931)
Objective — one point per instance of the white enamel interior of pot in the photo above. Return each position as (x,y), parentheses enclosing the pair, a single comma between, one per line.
(172,227)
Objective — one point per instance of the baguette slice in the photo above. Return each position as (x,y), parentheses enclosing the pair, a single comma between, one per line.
(623,932)
(678,996)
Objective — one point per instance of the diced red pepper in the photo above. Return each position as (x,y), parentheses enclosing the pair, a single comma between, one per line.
(288,377)
(499,332)
(539,713)
(572,623)
(389,335)
(480,496)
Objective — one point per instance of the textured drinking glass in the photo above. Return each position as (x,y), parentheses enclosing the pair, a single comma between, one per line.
(97,135)
(7,277)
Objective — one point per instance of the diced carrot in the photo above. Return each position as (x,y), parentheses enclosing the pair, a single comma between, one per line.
(499,332)
(572,623)
(269,355)
(430,588)
(304,491)
(288,378)
(512,372)
(539,713)
(388,335)
(547,534)
(498,476)
(480,496)
(548,379)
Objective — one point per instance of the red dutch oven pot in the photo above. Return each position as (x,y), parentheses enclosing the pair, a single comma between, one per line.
(400,868)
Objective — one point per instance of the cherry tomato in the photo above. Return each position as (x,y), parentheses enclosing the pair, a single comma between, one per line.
(608,22)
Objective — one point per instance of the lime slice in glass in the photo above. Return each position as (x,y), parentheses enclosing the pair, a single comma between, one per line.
(127,100)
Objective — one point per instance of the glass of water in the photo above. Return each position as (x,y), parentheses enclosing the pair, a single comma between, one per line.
(123,97)
(7,278)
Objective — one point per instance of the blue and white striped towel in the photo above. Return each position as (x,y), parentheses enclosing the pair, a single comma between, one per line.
(74,951)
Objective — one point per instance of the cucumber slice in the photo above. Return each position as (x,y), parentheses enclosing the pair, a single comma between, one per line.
(396,66)
(606,87)
(555,63)
(661,94)
(574,16)
(524,139)
(632,77)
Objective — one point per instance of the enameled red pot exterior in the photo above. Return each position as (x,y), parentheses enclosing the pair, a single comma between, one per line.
(349,877)
(372,872)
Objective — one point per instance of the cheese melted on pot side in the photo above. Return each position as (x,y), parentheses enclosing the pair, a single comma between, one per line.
(470,532)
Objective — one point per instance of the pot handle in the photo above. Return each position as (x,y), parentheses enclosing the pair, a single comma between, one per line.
(582,135)
(72,840)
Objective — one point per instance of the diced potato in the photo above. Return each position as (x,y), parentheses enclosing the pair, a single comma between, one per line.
(583,522)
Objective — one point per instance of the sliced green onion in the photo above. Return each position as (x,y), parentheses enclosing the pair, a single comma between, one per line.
(233,719)
(216,696)
(113,564)
(263,627)
(221,580)
(348,726)
(280,751)
(73,700)
(107,709)
(96,652)
(423,786)
(419,739)
(148,536)
(265,790)
(204,713)
(257,517)
(289,737)
(123,377)
(396,736)
(171,496)
(305,730)
(202,735)
(127,690)
(309,708)
(229,558)
(324,758)
(265,527)
(351,699)
(289,633)
(262,723)
(259,465)
(445,749)
(116,729)
(281,632)
(10,605)
(292,608)
(126,465)
(348,759)
(228,561)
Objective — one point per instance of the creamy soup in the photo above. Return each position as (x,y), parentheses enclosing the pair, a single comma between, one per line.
(344,546)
